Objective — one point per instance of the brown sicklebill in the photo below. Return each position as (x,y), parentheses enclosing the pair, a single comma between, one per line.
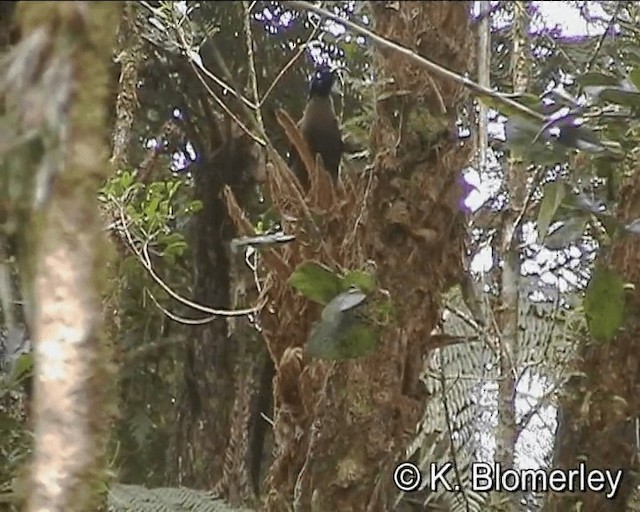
(319,127)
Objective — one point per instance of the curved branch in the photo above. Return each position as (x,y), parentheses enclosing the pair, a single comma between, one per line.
(143,256)
(422,61)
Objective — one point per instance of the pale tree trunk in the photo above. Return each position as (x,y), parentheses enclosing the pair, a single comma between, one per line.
(483,59)
(337,449)
(64,98)
(509,240)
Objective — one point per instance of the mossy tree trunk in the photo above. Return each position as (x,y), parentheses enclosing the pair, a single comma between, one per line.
(211,438)
(64,99)
(357,417)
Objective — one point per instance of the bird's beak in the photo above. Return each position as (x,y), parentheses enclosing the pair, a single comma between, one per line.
(339,70)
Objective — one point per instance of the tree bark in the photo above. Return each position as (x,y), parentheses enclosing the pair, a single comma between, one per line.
(356,417)
(510,238)
(67,103)
(597,417)
(211,441)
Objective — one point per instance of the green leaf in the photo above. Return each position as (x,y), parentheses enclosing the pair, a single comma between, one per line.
(315,281)
(582,202)
(344,302)
(610,224)
(358,341)
(22,368)
(152,207)
(530,101)
(175,248)
(570,231)
(595,78)
(360,279)
(621,97)
(8,424)
(604,303)
(634,76)
(194,206)
(343,331)
(174,187)
(526,139)
(554,193)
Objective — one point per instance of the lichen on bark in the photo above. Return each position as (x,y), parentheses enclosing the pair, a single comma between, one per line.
(60,91)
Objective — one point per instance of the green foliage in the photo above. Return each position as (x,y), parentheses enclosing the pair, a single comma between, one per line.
(152,211)
(611,110)
(22,369)
(342,331)
(614,101)
(315,281)
(604,303)
(554,193)
(570,231)
(595,78)
(156,216)
(320,284)
(211,37)
(359,279)
(15,439)
(609,88)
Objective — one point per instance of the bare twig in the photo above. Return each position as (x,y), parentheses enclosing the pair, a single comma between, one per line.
(450,432)
(252,64)
(288,65)
(604,35)
(198,67)
(282,72)
(143,257)
(535,410)
(431,66)
(484,79)
(534,185)
(363,209)
(224,107)
(197,61)
(177,318)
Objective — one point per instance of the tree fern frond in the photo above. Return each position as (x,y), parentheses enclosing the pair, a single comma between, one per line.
(461,381)
(123,498)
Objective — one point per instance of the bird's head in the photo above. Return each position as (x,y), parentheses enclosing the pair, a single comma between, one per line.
(322,82)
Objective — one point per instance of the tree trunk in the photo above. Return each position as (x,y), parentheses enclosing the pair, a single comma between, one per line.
(510,239)
(597,422)
(130,55)
(211,440)
(342,427)
(64,98)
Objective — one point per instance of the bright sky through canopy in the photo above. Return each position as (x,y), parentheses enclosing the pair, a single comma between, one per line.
(537,438)
(569,20)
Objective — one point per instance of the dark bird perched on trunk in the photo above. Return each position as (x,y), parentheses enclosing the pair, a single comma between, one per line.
(319,127)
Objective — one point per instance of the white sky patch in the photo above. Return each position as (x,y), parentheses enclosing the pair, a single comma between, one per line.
(483,260)
(568,18)
(151,143)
